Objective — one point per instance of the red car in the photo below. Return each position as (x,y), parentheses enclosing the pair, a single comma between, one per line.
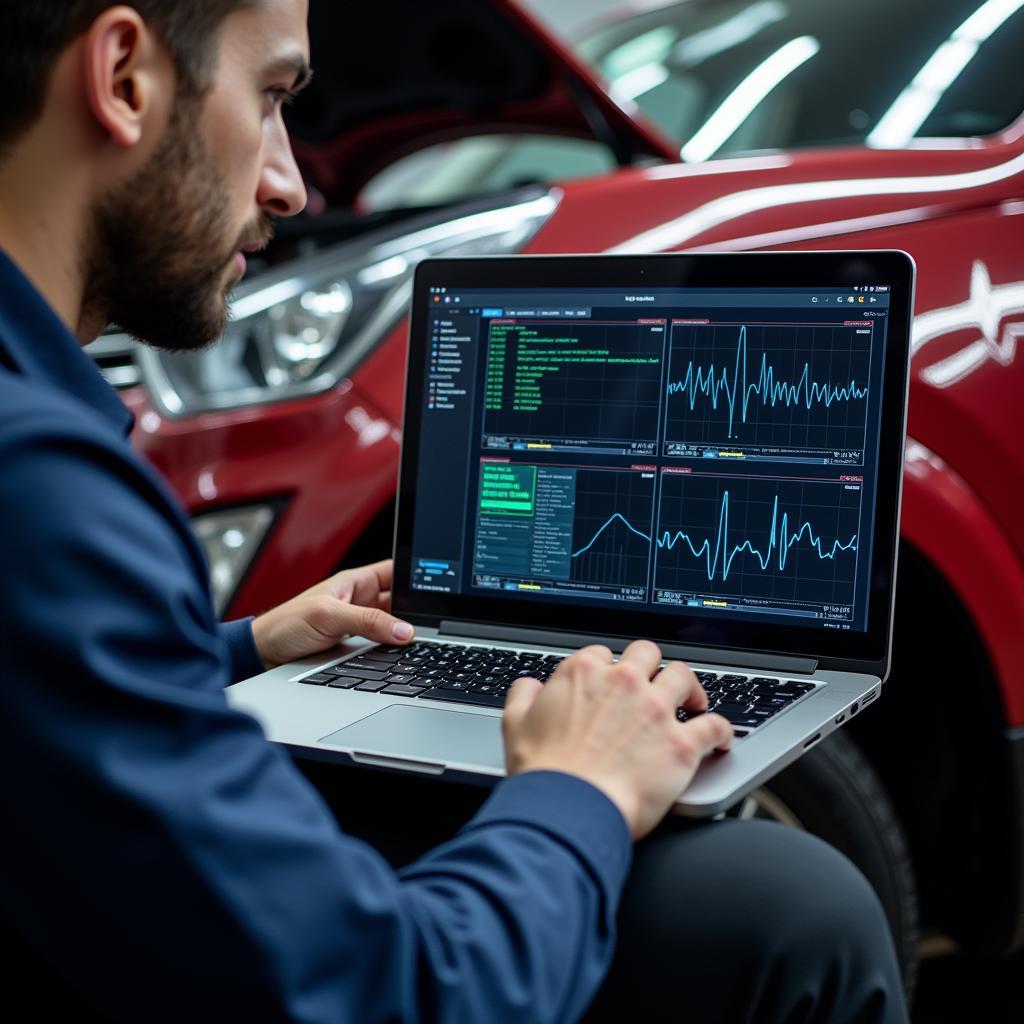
(460,127)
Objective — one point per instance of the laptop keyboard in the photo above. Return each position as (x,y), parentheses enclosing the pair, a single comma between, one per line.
(482,676)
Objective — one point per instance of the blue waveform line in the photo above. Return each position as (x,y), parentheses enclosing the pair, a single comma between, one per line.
(770,391)
(720,558)
(611,519)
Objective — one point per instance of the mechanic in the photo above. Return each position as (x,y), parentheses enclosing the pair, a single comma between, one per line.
(163,859)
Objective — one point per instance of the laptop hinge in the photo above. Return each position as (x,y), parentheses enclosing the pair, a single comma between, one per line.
(550,638)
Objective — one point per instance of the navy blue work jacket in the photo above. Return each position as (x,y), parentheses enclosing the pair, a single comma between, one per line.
(161,859)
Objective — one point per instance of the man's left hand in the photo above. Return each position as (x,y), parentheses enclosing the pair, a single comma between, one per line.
(355,602)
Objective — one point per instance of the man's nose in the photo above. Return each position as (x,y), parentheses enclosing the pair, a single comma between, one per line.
(282,191)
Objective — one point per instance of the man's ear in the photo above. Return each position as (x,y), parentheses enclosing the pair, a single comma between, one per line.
(128,74)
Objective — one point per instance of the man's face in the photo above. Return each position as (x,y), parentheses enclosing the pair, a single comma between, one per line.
(167,243)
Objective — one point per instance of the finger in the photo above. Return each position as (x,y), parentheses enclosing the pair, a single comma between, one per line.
(521,695)
(645,655)
(585,655)
(682,687)
(384,600)
(598,651)
(709,732)
(368,581)
(373,623)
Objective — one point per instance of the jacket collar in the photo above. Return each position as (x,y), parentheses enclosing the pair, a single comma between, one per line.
(36,343)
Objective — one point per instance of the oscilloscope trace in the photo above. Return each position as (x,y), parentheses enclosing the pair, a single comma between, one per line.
(759,539)
(799,387)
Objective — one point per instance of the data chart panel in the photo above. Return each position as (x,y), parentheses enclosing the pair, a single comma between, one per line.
(759,545)
(783,392)
(565,386)
(545,529)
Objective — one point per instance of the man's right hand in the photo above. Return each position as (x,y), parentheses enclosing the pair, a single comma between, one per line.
(608,723)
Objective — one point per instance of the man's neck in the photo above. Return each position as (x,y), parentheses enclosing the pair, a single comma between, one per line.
(41,227)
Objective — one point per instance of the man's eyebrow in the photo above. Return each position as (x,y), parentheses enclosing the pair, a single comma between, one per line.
(296,66)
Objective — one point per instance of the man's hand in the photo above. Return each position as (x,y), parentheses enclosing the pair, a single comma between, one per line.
(609,724)
(355,602)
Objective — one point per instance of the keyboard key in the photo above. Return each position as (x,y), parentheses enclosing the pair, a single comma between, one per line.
(738,686)
(344,682)
(487,700)
(320,679)
(749,721)
(371,685)
(401,690)
(400,677)
(731,709)
(455,685)
(380,656)
(366,673)
(358,667)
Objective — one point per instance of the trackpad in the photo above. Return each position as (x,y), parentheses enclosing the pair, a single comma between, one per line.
(425,734)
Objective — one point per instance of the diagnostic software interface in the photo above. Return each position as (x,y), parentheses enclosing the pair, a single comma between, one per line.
(713,452)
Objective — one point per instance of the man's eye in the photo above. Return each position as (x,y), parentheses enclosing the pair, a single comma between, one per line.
(279,96)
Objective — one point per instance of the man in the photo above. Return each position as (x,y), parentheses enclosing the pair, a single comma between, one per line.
(162,859)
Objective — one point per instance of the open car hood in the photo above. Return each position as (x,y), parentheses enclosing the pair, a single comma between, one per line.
(394,76)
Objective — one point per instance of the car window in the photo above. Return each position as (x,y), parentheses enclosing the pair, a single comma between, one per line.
(723,76)
(481,165)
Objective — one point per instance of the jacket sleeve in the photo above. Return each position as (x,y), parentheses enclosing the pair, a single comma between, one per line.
(169,858)
(244,659)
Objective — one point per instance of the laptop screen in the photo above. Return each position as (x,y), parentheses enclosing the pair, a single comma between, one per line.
(698,451)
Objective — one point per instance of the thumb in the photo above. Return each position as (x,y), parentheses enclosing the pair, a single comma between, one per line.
(521,696)
(372,623)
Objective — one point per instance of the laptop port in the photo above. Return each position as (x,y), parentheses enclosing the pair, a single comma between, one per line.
(814,739)
(840,719)
(854,709)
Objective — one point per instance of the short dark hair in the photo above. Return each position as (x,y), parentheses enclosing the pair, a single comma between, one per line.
(36,32)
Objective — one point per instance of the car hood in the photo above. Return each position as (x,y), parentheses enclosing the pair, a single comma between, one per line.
(397,75)
(778,199)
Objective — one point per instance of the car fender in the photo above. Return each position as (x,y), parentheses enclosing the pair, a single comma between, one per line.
(950,525)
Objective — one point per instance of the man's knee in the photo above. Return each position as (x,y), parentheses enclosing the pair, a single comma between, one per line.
(774,914)
(766,878)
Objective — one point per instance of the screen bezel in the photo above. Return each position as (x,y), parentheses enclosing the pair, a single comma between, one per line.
(818,269)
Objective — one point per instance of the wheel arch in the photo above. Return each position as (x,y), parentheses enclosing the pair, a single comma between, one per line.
(945,739)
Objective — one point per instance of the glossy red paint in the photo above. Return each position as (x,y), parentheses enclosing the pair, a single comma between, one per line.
(330,462)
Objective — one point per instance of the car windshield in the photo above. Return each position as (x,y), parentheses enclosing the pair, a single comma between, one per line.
(727,76)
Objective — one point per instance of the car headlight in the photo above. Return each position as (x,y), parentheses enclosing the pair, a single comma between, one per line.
(300,328)
(231,538)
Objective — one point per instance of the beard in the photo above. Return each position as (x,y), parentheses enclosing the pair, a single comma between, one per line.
(162,243)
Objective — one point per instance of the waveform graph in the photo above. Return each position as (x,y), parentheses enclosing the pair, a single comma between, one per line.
(776,387)
(612,522)
(759,539)
(557,380)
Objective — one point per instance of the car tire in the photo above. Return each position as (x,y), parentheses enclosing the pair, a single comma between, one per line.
(834,793)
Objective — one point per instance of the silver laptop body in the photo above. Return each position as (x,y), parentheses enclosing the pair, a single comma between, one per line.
(702,449)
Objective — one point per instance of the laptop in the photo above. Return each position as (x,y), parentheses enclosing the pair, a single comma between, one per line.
(701,449)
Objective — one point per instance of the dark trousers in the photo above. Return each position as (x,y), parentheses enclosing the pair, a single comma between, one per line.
(727,921)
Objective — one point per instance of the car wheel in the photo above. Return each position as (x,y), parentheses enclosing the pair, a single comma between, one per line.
(834,793)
